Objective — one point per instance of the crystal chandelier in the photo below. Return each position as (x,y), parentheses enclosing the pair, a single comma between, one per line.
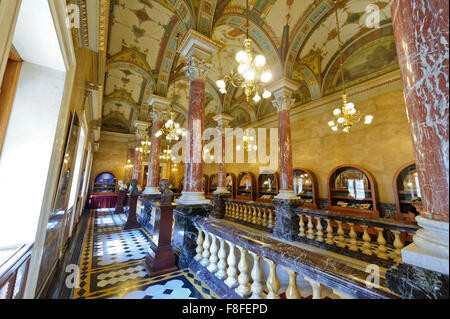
(347,115)
(145,147)
(250,72)
(249,143)
(172,130)
(167,154)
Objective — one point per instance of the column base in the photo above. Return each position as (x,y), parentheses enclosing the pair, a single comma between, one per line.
(286,195)
(151,191)
(193,198)
(430,248)
(221,190)
(286,226)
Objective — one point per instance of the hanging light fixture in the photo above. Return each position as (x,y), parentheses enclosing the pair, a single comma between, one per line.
(171,129)
(347,115)
(249,143)
(167,154)
(144,147)
(250,72)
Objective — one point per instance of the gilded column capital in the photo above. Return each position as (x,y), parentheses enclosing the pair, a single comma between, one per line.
(282,91)
(141,128)
(197,68)
(160,107)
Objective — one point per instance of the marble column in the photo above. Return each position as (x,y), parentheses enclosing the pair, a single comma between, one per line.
(421,32)
(222,120)
(141,133)
(286,201)
(160,106)
(130,160)
(197,49)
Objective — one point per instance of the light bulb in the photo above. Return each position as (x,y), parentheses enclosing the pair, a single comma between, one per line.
(238,147)
(220,84)
(223,91)
(368,119)
(266,77)
(211,157)
(340,120)
(245,138)
(179,131)
(256,98)
(334,128)
(249,75)
(351,111)
(241,57)
(260,60)
(267,94)
(337,112)
(252,138)
(177,125)
(255,148)
(242,68)
(345,129)
(331,123)
(349,106)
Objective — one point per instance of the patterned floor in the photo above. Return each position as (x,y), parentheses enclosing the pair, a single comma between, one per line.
(111,265)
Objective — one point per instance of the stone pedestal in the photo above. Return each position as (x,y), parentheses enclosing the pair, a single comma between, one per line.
(132,219)
(219,204)
(185,234)
(413,282)
(160,257)
(120,202)
(286,226)
(145,218)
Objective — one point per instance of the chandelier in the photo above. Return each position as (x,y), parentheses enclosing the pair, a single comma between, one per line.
(167,154)
(129,164)
(250,72)
(249,143)
(145,147)
(347,115)
(171,130)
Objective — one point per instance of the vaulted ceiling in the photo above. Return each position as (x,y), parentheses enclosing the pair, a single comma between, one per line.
(298,38)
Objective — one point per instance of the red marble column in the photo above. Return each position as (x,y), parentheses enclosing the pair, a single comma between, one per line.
(196,115)
(285,157)
(154,168)
(421,32)
(137,167)
(222,174)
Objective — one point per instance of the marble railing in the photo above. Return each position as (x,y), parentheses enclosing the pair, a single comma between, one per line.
(257,214)
(356,234)
(14,272)
(236,257)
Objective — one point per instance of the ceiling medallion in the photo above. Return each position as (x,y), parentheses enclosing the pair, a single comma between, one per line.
(250,72)
(347,115)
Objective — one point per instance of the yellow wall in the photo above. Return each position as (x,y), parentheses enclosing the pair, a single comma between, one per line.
(381,147)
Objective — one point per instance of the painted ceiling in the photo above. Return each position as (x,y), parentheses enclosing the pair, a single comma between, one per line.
(298,38)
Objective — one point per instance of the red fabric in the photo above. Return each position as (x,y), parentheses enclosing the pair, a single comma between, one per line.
(102,201)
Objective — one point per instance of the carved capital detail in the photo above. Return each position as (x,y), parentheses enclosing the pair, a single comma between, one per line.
(283,100)
(197,68)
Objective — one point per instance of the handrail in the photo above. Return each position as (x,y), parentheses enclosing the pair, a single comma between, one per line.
(320,270)
(14,272)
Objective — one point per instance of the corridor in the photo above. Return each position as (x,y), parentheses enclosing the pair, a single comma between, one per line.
(111,265)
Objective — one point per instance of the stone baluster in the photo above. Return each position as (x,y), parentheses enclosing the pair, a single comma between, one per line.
(255,216)
(259,219)
(319,228)
(212,266)
(310,231)
(316,288)
(231,280)
(340,239)
(234,211)
(227,207)
(222,265)
(292,291)
(241,212)
(273,284)
(352,244)
(398,244)
(205,260)
(244,213)
(301,225)
(199,249)
(257,277)
(382,249)
(271,223)
(264,220)
(330,232)
(366,246)
(244,286)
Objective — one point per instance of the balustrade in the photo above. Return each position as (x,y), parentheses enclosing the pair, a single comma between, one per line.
(253,213)
(357,238)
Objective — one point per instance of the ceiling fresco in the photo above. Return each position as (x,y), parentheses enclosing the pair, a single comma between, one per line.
(298,38)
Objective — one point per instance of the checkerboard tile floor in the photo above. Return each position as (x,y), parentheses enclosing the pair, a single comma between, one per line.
(111,266)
